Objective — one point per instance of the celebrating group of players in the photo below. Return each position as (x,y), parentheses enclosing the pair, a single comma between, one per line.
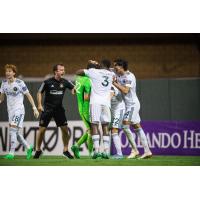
(106,95)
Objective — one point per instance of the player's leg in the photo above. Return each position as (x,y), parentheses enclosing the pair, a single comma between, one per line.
(66,138)
(126,128)
(20,137)
(45,118)
(95,112)
(139,131)
(117,117)
(61,121)
(105,120)
(13,142)
(143,139)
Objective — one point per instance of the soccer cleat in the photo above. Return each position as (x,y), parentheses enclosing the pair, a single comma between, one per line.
(134,154)
(29,153)
(76,152)
(146,155)
(96,155)
(67,154)
(105,155)
(38,154)
(9,156)
(117,157)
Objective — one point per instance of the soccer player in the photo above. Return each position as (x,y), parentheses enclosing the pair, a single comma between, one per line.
(126,83)
(117,113)
(100,105)
(54,89)
(15,89)
(83,89)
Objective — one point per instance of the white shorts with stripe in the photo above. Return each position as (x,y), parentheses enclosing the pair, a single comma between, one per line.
(16,117)
(132,113)
(117,118)
(100,114)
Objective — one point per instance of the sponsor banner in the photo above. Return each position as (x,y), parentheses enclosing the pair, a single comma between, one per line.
(52,144)
(167,138)
(164,137)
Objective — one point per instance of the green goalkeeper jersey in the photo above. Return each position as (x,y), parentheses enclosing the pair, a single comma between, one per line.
(83,86)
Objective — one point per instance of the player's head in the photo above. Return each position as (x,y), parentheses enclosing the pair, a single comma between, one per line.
(120,66)
(59,70)
(92,65)
(10,71)
(105,64)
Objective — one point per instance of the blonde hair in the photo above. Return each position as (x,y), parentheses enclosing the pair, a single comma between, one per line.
(12,67)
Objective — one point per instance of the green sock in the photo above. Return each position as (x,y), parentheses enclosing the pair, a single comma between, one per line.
(90,143)
(82,139)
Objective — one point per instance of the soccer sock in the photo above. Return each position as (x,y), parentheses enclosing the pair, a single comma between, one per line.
(21,139)
(117,143)
(143,139)
(13,139)
(96,141)
(82,139)
(129,135)
(106,143)
(90,143)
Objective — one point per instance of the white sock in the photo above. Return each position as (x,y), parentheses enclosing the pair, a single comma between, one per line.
(106,143)
(96,141)
(21,139)
(143,139)
(13,139)
(129,135)
(117,143)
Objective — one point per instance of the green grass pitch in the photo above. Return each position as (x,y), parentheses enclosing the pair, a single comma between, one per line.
(86,161)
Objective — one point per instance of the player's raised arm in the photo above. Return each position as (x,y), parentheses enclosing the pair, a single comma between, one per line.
(80,72)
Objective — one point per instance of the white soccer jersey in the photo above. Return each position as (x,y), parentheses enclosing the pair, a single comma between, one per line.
(15,94)
(128,79)
(101,85)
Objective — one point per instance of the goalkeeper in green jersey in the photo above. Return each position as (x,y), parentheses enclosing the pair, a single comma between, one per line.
(83,89)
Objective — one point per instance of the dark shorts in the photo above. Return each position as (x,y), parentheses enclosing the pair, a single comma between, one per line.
(58,114)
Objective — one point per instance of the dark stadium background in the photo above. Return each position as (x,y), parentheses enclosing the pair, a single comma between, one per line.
(167,67)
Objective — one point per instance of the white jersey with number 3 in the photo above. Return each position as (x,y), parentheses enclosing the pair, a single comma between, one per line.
(101,85)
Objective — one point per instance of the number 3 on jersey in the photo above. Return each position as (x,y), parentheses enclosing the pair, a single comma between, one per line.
(105,82)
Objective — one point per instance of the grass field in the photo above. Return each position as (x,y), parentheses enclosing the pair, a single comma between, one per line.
(86,161)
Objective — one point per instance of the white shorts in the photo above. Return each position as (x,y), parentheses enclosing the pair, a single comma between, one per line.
(117,118)
(132,114)
(100,114)
(16,117)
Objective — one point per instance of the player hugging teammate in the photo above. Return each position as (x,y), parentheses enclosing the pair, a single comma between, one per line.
(113,99)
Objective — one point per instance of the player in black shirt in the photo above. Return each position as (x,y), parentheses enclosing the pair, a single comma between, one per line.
(54,89)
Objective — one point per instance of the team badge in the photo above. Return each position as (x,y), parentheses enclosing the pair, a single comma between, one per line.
(61,85)
(15,89)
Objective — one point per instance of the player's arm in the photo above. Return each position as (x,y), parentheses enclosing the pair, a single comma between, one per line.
(123,89)
(2,96)
(31,101)
(39,97)
(80,72)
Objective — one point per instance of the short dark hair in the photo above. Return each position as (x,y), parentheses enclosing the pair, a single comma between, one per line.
(91,65)
(55,67)
(105,63)
(122,63)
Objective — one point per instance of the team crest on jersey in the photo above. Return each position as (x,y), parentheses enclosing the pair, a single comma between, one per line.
(61,85)
(15,89)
